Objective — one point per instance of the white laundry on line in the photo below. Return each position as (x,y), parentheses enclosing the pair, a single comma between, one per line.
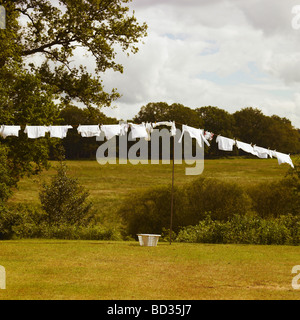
(59,131)
(208,135)
(138,131)
(149,130)
(262,153)
(194,133)
(246,147)
(88,131)
(225,144)
(6,131)
(166,123)
(34,132)
(283,158)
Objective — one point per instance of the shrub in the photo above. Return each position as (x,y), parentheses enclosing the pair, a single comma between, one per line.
(20,220)
(248,229)
(30,222)
(222,199)
(272,199)
(149,211)
(64,200)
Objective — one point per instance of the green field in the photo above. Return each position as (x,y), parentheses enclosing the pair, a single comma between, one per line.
(106,270)
(98,270)
(109,184)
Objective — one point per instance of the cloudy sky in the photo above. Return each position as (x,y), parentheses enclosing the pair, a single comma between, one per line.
(230,54)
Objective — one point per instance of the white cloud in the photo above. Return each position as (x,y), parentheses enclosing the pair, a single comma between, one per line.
(231,54)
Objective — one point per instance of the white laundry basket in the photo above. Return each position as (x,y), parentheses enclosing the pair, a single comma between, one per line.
(148,240)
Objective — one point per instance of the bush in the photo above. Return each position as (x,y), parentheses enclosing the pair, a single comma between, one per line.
(222,199)
(284,230)
(149,211)
(272,199)
(31,222)
(64,200)
(20,220)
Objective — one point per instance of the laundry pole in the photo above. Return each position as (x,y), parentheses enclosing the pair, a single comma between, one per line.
(172,191)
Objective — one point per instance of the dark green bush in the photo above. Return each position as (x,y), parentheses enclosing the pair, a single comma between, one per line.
(25,218)
(149,211)
(284,230)
(222,199)
(272,199)
(31,222)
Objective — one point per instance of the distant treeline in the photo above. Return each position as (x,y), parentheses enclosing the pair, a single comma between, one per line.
(248,125)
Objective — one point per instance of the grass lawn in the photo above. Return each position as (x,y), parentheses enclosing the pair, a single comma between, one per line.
(98,270)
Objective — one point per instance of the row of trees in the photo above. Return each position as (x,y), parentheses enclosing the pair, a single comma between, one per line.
(248,125)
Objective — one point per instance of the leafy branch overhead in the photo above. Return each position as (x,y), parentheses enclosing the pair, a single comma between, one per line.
(55,29)
(41,75)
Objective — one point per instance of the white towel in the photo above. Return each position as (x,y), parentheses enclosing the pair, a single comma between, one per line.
(59,131)
(89,130)
(6,131)
(166,123)
(111,130)
(173,129)
(34,132)
(225,144)
(139,131)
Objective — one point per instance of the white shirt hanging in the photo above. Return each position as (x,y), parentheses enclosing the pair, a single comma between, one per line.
(124,128)
(6,131)
(225,144)
(59,131)
(89,130)
(262,152)
(194,133)
(283,158)
(208,135)
(166,123)
(149,130)
(246,147)
(34,132)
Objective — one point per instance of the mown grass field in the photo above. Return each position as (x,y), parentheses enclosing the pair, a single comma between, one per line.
(107,270)
(98,270)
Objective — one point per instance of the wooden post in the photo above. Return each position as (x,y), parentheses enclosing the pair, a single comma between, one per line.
(172,191)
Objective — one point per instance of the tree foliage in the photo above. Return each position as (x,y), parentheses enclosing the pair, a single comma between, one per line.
(56,31)
(38,77)
(161,111)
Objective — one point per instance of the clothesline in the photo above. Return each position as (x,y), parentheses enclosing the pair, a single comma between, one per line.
(144,130)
